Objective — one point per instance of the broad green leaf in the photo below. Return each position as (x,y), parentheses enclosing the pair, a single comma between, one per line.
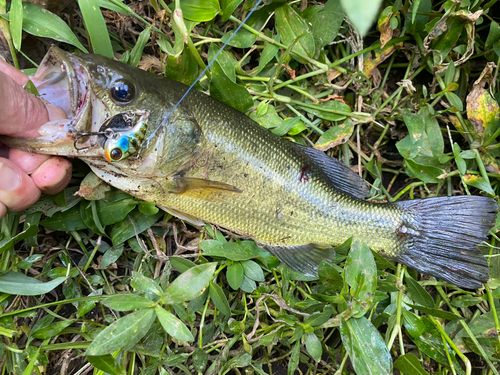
(106,363)
(268,53)
(293,363)
(40,22)
(326,23)
(483,110)
(335,136)
(16,22)
(331,280)
(90,218)
(124,333)
(313,346)
(242,39)
(366,347)
(252,270)
(466,300)
(219,299)
(362,13)
(286,126)
(190,284)
(234,275)
(20,284)
(127,302)
(200,359)
(115,6)
(236,251)
(181,264)
(361,276)
(318,318)
(93,188)
(144,284)
(331,110)
(422,172)
(226,62)
(96,27)
(148,208)
(490,162)
(478,182)
(426,336)
(228,7)
(52,330)
(384,26)
(135,223)
(481,327)
(111,256)
(449,75)
(270,119)
(408,364)
(173,325)
(454,100)
(200,10)
(136,53)
(451,32)
(489,345)
(417,293)
(6,242)
(228,92)
(294,30)
(183,68)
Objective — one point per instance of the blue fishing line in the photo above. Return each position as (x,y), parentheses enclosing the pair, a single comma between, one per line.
(204,71)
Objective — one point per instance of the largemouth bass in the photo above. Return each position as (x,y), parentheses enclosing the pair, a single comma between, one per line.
(210,163)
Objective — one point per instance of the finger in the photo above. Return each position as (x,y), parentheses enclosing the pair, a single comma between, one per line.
(17,189)
(19,77)
(28,161)
(22,113)
(53,175)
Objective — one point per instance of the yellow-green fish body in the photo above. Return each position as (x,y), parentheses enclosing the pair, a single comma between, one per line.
(206,162)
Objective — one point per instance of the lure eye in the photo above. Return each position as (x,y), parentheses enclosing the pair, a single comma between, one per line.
(122,92)
(115,154)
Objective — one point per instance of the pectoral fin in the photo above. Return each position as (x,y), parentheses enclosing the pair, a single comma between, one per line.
(303,258)
(184,184)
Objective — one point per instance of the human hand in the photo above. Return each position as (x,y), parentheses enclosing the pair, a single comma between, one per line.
(23,175)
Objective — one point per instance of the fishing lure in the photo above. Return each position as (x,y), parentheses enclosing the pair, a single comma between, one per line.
(123,138)
(120,135)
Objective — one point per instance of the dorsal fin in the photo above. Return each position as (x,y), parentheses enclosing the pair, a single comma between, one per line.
(341,177)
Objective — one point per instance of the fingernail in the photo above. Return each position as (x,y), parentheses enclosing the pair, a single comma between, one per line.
(9,178)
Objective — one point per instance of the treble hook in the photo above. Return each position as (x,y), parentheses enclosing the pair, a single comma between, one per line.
(108,133)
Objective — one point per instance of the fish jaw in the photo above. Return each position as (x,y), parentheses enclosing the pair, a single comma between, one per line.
(63,80)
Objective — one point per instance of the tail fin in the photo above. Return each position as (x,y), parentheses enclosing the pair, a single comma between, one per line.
(450,229)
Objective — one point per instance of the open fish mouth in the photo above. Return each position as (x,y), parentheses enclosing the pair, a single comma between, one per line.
(62,79)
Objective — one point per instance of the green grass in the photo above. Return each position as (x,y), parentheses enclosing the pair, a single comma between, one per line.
(129,289)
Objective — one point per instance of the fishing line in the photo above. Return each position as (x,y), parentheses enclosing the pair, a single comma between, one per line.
(202,73)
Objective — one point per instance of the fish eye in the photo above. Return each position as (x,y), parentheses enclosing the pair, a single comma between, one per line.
(123,92)
(115,154)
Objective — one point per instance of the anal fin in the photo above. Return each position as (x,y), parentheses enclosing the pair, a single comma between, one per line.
(303,258)
(190,219)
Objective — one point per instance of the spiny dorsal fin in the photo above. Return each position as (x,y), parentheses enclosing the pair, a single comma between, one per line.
(303,258)
(341,177)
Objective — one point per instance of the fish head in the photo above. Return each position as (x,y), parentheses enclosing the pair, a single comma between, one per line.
(120,118)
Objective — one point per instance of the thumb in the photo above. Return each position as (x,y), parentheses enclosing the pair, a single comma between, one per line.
(23,113)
